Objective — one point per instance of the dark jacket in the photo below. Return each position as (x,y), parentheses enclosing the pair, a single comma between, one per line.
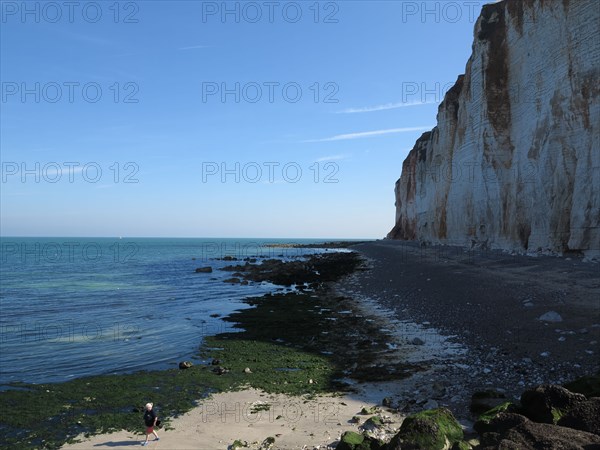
(149,417)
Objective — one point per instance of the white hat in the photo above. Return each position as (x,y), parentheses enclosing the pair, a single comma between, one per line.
(149,405)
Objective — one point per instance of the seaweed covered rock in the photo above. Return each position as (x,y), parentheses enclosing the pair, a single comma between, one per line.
(434,429)
(355,441)
(372,423)
(513,431)
(483,423)
(317,269)
(350,441)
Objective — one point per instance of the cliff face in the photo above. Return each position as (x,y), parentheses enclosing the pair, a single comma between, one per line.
(514,161)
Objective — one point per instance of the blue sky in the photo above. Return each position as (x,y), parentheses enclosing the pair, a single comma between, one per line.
(212,119)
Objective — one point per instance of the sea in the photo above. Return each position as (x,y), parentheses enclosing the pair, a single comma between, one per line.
(74,307)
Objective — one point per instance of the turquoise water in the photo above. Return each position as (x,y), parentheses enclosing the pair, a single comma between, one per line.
(71,307)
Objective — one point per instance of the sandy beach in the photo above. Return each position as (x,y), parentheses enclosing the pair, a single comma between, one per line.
(470,318)
(294,422)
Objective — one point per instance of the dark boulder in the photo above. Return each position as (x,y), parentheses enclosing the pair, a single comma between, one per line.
(557,405)
(588,385)
(583,416)
(548,402)
(232,280)
(512,431)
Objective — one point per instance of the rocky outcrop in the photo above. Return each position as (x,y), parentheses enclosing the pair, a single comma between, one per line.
(513,431)
(514,161)
(548,416)
(557,405)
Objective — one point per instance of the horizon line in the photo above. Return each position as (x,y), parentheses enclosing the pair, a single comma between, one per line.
(187,237)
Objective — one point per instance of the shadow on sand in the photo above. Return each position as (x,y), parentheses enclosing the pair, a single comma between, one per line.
(118,444)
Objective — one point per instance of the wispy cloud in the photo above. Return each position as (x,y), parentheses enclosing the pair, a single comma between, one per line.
(331,158)
(194,47)
(383,107)
(365,134)
(56,172)
(84,37)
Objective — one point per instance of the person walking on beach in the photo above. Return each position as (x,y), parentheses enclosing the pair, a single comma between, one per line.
(150,419)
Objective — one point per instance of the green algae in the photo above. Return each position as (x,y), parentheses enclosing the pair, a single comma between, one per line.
(355,441)
(557,414)
(48,415)
(482,424)
(431,429)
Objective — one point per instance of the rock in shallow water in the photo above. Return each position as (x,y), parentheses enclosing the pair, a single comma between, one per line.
(551,316)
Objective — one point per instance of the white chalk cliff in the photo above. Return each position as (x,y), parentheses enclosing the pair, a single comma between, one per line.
(514,161)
